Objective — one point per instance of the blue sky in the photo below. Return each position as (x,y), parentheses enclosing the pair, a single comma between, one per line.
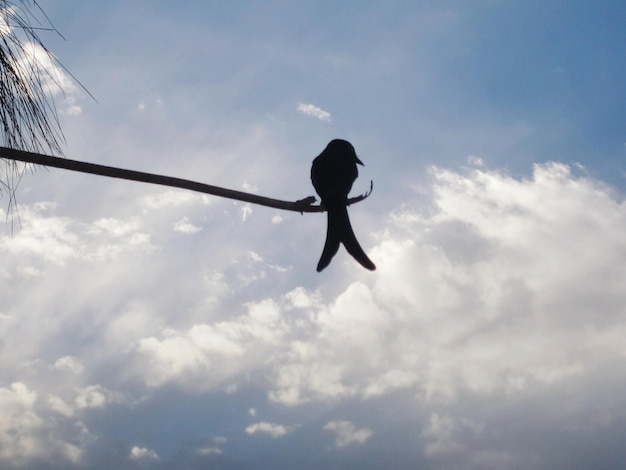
(145,327)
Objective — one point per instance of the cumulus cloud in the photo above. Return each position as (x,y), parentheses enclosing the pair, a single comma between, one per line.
(186,227)
(58,405)
(74,110)
(44,236)
(346,433)
(441,431)
(20,424)
(69,364)
(82,399)
(92,396)
(25,436)
(173,198)
(274,430)
(207,354)
(502,284)
(54,79)
(313,111)
(316,367)
(47,237)
(143,454)
(114,227)
(57,81)
(497,288)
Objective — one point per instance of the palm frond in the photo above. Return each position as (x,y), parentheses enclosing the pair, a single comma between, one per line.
(28,82)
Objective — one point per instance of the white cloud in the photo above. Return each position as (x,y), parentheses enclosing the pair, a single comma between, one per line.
(390,381)
(314,111)
(274,430)
(151,103)
(207,354)
(143,454)
(25,435)
(173,198)
(440,435)
(55,81)
(186,227)
(316,367)
(47,237)
(20,426)
(5,27)
(209,451)
(505,284)
(60,240)
(475,160)
(69,364)
(346,433)
(60,406)
(93,396)
(301,298)
(74,110)
(478,293)
(114,227)
(254,257)
(29,271)
(246,211)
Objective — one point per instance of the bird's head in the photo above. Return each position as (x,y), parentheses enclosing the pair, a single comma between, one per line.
(343,147)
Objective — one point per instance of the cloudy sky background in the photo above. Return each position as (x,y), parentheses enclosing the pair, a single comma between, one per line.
(144,327)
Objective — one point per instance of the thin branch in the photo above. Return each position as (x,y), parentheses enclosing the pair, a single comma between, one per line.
(302,205)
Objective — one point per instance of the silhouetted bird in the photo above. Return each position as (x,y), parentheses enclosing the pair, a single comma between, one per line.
(332,174)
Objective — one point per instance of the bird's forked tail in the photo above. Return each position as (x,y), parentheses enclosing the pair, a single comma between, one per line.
(340,231)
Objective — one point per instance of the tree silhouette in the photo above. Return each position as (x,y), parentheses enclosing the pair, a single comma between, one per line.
(28,118)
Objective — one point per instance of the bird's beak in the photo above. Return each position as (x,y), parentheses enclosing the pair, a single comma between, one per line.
(359,161)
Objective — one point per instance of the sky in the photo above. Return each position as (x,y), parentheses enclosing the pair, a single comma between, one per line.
(149,327)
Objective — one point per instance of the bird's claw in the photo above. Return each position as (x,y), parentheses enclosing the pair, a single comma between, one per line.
(307,201)
(363,196)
